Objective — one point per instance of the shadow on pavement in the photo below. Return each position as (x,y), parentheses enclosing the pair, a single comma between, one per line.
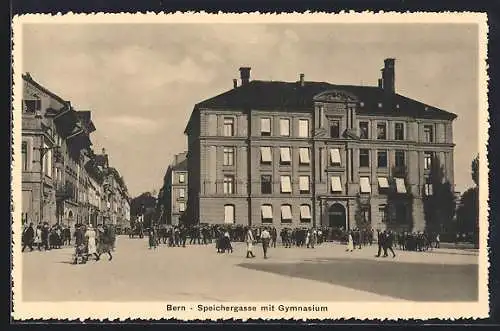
(407,281)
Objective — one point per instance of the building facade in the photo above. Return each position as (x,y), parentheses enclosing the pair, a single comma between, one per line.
(62,178)
(315,154)
(172,197)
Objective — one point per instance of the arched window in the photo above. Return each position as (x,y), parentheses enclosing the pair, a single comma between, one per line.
(229,214)
(305,213)
(286,214)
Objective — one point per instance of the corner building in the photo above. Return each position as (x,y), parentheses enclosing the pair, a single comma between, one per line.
(315,154)
(173,194)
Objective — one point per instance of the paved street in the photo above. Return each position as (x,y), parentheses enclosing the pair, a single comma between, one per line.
(197,273)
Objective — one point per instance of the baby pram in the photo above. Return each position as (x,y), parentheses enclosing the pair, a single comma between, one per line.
(81,254)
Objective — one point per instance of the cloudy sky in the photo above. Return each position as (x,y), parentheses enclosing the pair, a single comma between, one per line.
(142,80)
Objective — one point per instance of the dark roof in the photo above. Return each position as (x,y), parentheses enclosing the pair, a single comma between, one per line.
(289,96)
(85,116)
(27,77)
(181,166)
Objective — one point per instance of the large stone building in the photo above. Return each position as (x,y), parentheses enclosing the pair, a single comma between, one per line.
(62,178)
(172,197)
(315,154)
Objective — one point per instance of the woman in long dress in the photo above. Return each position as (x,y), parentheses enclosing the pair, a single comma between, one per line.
(350,243)
(38,237)
(90,235)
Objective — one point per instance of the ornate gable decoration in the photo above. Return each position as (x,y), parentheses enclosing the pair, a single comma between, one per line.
(336,96)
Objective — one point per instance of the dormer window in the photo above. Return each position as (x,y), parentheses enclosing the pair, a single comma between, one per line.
(361,104)
(380,104)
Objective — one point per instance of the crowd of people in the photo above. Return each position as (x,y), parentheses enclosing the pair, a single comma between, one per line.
(88,242)
(92,243)
(45,237)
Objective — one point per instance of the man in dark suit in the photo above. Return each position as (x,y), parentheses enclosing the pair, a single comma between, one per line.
(380,241)
(389,239)
(28,237)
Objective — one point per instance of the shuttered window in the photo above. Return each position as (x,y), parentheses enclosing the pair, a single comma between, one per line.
(304,155)
(229,214)
(286,184)
(336,185)
(265,155)
(365,186)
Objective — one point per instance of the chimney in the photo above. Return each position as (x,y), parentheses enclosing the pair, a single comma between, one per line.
(103,151)
(388,76)
(235,83)
(245,75)
(301,80)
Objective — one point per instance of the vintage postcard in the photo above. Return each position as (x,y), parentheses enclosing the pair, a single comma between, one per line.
(249,166)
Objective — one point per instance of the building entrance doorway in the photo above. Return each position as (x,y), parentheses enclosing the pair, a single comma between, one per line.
(337,216)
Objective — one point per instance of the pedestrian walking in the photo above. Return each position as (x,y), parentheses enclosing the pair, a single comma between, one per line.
(38,237)
(350,243)
(90,236)
(105,241)
(249,241)
(227,242)
(274,236)
(28,237)
(380,242)
(313,239)
(265,236)
(389,238)
(45,236)
(152,238)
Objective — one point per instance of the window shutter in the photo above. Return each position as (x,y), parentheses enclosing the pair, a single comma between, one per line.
(365,184)
(335,156)
(304,155)
(305,212)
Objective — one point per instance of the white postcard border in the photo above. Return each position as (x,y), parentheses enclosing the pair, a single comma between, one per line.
(336,310)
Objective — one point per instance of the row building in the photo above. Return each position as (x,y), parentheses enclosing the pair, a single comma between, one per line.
(63,181)
(172,197)
(310,153)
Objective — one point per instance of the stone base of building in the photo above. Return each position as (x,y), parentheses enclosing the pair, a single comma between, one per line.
(342,212)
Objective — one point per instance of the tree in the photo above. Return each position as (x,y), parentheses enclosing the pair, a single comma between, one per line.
(145,199)
(475,170)
(362,210)
(438,199)
(468,209)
